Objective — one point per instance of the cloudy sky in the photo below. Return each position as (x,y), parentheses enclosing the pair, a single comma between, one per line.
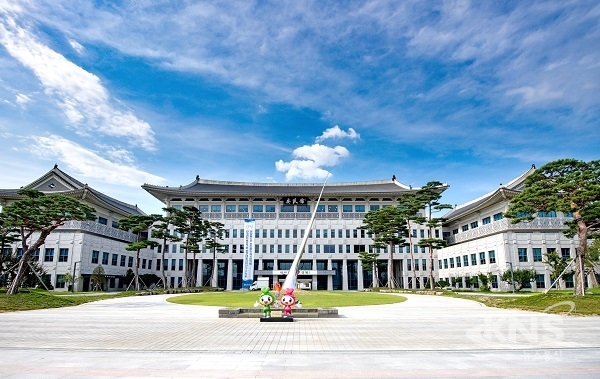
(121,93)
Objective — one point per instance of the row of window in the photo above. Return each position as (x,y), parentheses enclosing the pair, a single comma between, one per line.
(474,259)
(271,208)
(523,254)
(540,282)
(63,254)
(114,259)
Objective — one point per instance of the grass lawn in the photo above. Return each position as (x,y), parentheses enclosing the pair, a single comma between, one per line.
(40,299)
(309,299)
(553,302)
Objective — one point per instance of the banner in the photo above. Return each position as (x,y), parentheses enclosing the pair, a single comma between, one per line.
(248,269)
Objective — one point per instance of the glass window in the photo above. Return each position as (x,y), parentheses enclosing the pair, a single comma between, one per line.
(303,208)
(320,208)
(498,216)
(346,208)
(492,256)
(422,233)
(454,231)
(230,208)
(474,224)
(114,259)
(473,259)
(540,281)
(482,258)
(130,262)
(451,262)
(332,208)
(270,208)
(215,208)
(445,263)
(49,255)
(181,265)
(359,208)
(257,208)
(522,254)
(486,220)
(373,207)
(115,224)
(102,220)
(287,208)
(287,233)
(465,228)
(203,208)
(458,264)
(465,260)
(123,258)
(243,208)
(547,214)
(104,258)
(95,256)
(63,255)
(324,233)
(317,233)
(537,254)
(565,252)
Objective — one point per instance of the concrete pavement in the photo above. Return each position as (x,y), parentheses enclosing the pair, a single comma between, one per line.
(426,336)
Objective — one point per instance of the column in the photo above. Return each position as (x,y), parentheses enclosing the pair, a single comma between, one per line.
(229,285)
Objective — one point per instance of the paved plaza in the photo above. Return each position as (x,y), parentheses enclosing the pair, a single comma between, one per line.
(426,336)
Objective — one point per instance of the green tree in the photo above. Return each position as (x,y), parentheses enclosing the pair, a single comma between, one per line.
(429,196)
(138,225)
(162,231)
(71,279)
(485,281)
(191,226)
(557,264)
(214,232)
(410,206)
(592,261)
(39,213)
(386,226)
(98,278)
(369,261)
(568,186)
(519,278)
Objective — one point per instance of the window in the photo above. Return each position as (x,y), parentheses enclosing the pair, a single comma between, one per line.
(408,268)
(63,255)
(115,224)
(355,233)
(303,208)
(60,281)
(416,264)
(257,233)
(325,233)
(215,208)
(320,208)
(230,208)
(130,262)
(422,232)
(287,208)
(540,281)
(414,233)
(486,220)
(203,208)
(346,208)
(317,233)
(271,233)
(332,208)
(318,247)
(181,265)
(494,281)
(95,256)
(565,252)
(550,214)
(49,255)
(498,216)
(451,262)
(144,263)
(173,249)
(234,233)
(104,258)
(465,260)
(166,264)
(157,264)
(340,233)
(373,207)
(173,264)
(114,259)
(287,233)
(329,249)
(465,228)
(102,220)
(270,208)
(424,264)
(458,264)
(123,260)
(257,208)
(243,208)
(445,263)
(454,231)
(150,264)
(522,254)
(537,254)
(19,252)
(359,208)
(439,264)
(492,256)
(474,224)
(473,259)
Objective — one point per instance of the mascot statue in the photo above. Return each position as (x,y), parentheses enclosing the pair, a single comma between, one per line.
(287,301)
(265,299)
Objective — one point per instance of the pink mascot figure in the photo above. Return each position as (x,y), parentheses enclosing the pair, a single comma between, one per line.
(288,300)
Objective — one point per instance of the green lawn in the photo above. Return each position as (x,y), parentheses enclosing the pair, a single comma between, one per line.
(309,299)
(40,299)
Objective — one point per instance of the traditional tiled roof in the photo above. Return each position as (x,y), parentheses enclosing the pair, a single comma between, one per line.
(503,192)
(203,187)
(57,181)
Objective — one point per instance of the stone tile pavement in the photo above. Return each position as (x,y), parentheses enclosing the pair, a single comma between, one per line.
(426,336)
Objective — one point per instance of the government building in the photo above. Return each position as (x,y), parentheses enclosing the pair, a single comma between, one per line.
(480,240)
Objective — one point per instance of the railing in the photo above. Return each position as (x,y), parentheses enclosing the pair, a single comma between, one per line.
(100,229)
(504,225)
(353,215)
(265,216)
(283,215)
(236,215)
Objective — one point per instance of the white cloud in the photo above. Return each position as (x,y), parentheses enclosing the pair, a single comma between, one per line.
(22,99)
(80,94)
(311,158)
(90,164)
(336,132)
(76,46)
(539,94)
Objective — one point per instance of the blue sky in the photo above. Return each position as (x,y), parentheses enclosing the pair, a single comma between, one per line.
(121,93)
